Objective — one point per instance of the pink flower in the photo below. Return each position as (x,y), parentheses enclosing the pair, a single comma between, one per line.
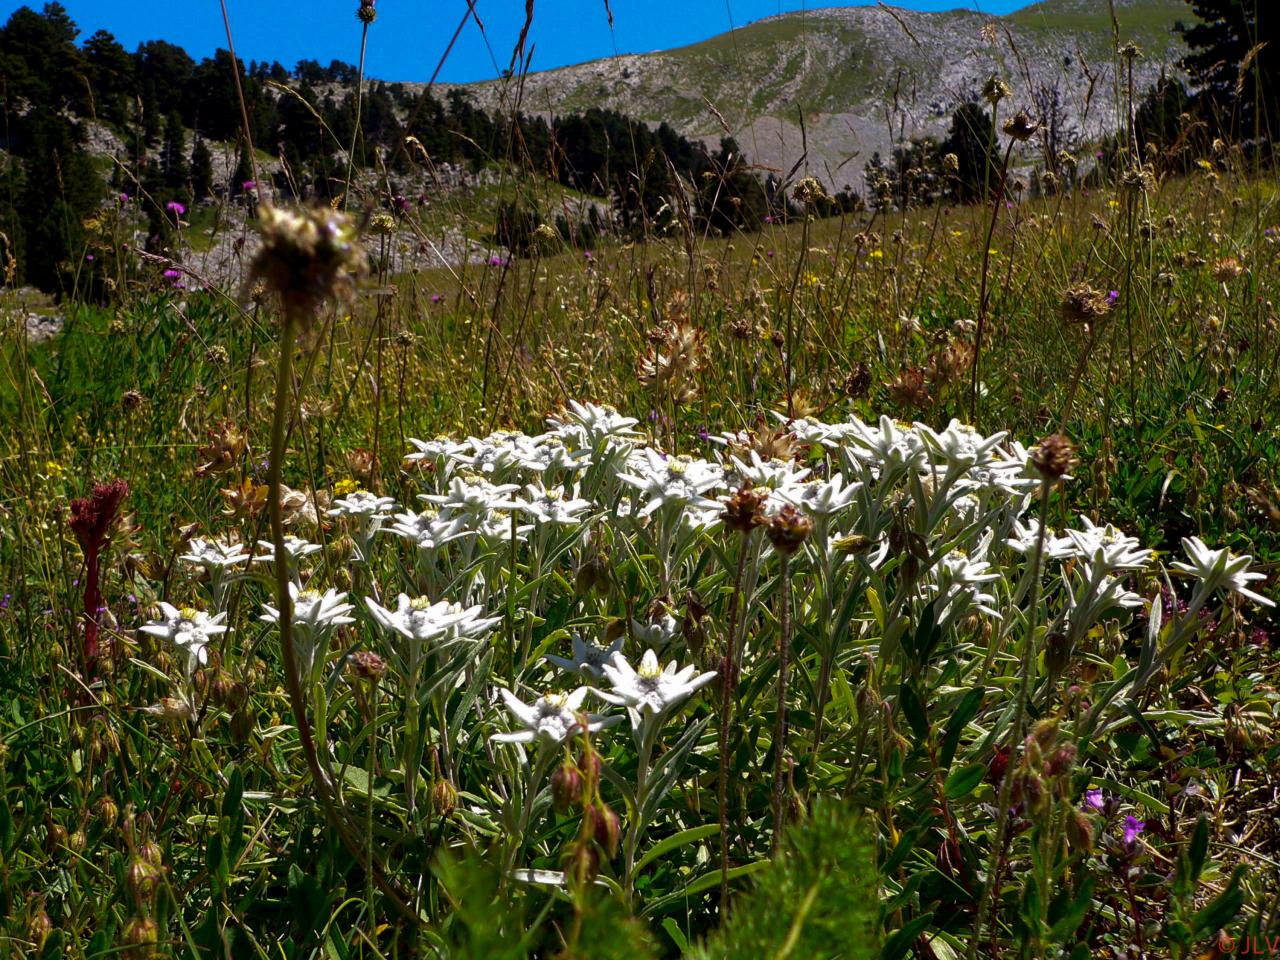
(249,185)
(172,274)
(174,207)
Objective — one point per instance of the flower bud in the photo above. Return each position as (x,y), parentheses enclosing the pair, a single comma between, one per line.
(444,797)
(566,787)
(608,830)
(1080,832)
(140,938)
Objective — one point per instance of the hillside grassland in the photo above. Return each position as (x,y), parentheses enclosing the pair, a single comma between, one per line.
(165,804)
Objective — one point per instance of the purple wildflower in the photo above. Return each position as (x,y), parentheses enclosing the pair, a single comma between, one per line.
(1132,828)
(124,198)
(88,256)
(1113,296)
(249,185)
(436,297)
(400,203)
(174,207)
(172,274)
(1094,799)
(497,261)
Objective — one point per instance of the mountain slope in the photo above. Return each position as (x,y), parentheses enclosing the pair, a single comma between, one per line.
(858,73)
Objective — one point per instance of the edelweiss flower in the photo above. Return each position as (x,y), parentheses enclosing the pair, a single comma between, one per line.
(188,629)
(427,530)
(781,476)
(295,547)
(435,451)
(551,506)
(671,480)
(822,498)
(478,498)
(959,446)
(589,424)
(362,503)
(588,659)
(1219,569)
(214,555)
(892,445)
(1106,547)
(651,690)
(417,618)
(552,717)
(313,612)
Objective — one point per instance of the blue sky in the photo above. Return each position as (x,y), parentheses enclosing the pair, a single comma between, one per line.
(410,36)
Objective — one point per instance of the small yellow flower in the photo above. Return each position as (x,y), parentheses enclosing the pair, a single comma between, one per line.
(1113,204)
(53,469)
(877,254)
(344,487)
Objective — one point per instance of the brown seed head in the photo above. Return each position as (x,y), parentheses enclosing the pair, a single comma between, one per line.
(745,510)
(1021,126)
(1054,457)
(788,529)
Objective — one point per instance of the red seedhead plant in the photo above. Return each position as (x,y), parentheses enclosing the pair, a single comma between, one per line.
(91,520)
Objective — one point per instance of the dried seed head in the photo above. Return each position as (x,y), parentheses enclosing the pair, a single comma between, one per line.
(745,510)
(1226,269)
(444,797)
(367,12)
(788,529)
(951,163)
(1021,126)
(809,191)
(308,256)
(367,665)
(996,90)
(1084,304)
(1054,457)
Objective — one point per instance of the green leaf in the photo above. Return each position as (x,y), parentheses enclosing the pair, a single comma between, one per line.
(1065,926)
(965,711)
(692,835)
(1220,911)
(913,708)
(962,782)
(676,934)
(896,947)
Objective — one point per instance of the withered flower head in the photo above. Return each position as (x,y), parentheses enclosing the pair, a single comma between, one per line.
(996,90)
(745,509)
(308,256)
(367,12)
(1054,457)
(1226,269)
(788,529)
(223,451)
(809,191)
(1084,304)
(1021,126)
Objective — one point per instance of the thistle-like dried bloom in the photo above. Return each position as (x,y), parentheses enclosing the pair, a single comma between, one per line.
(676,355)
(1054,457)
(1226,269)
(809,191)
(1021,126)
(1083,304)
(744,511)
(308,256)
(996,90)
(367,11)
(788,529)
(223,452)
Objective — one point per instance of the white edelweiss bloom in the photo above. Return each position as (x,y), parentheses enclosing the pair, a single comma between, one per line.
(588,658)
(314,612)
(588,424)
(959,446)
(495,455)
(1221,570)
(959,576)
(362,503)
(780,476)
(651,690)
(1025,535)
(809,431)
(188,629)
(665,480)
(822,498)
(1108,548)
(892,444)
(657,632)
(294,547)
(417,618)
(1107,592)
(553,717)
(214,555)
(426,530)
(477,497)
(552,506)
(436,451)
